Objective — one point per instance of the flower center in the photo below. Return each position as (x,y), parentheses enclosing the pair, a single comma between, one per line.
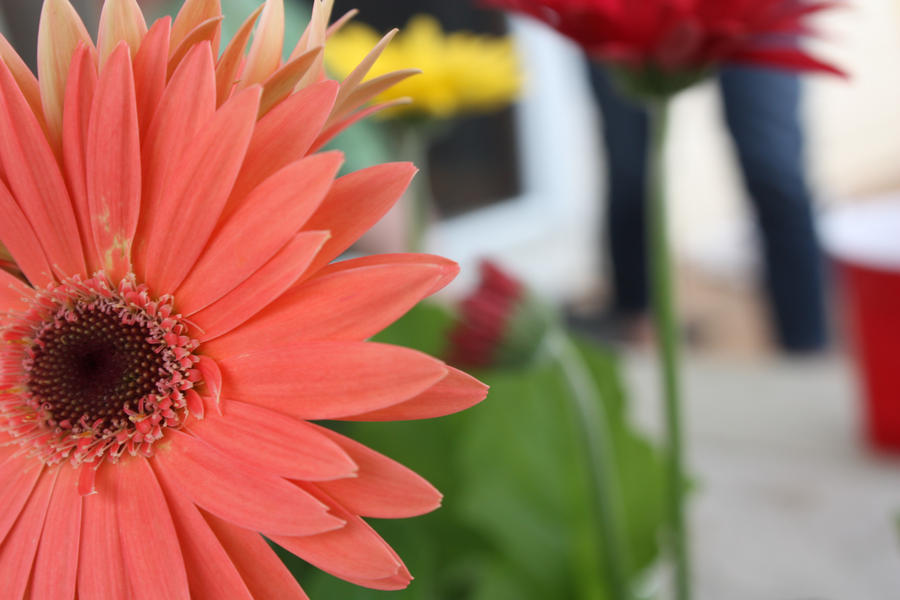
(104,370)
(93,367)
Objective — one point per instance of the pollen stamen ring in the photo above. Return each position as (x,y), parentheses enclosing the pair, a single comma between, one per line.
(92,370)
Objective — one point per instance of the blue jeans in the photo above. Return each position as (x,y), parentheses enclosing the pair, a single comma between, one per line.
(761,111)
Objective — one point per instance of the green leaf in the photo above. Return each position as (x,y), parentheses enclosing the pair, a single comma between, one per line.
(517,520)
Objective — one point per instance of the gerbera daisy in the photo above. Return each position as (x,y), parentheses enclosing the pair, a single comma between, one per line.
(181,320)
(680,40)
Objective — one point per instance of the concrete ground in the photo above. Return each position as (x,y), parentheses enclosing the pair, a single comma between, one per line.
(790,504)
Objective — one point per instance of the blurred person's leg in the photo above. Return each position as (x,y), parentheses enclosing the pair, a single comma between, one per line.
(625,130)
(762,111)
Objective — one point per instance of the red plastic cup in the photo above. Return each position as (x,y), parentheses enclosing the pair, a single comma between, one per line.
(864,242)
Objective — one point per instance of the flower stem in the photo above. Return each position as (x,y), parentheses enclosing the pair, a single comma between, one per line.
(590,412)
(667,336)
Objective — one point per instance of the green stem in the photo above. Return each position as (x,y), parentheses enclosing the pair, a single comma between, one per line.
(667,335)
(594,425)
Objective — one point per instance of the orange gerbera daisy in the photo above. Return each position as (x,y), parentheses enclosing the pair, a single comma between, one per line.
(182,321)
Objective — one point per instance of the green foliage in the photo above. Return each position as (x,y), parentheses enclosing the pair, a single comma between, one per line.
(517,521)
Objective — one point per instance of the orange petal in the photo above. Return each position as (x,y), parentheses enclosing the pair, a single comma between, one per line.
(265,52)
(207,31)
(19,237)
(18,482)
(192,14)
(350,305)
(26,80)
(449,269)
(80,90)
(60,33)
(330,132)
(150,550)
(382,488)
(210,572)
(284,135)
(12,293)
(233,58)
(400,581)
(120,20)
(327,380)
(263,572)
(56,564)
(274,442)
(355,203)
(150,70)
(354,550)
(187,103)
(35,180)
(314,35)
(356,76)
(344,106)
(238,492)
(458,391)
(280,85)
(113,162)
(20,546)
(262,287)
(247,236)
(205,177)
(101,570)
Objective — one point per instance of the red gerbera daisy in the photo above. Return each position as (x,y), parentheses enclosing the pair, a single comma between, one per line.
(182,321)
(682,35)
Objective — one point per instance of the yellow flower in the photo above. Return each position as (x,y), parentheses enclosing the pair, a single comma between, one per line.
(461,72)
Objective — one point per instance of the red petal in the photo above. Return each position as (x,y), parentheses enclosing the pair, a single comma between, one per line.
(355,550)
(327,380)
(792,59)
(355,203)
(101,568)
(274,442)
(35,180)
(190,208)
(56,564)
(20,546)
(457,391)
(248,236)
(263,572)
(382,488)
(150,550)
(210,571)
(237,492)
(262,287)
(113,162)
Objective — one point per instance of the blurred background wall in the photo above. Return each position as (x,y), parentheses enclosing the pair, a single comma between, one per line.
(549,233)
